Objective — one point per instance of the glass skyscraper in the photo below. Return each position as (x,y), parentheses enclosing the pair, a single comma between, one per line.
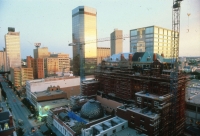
(13,54)
(152,39)
(84,30)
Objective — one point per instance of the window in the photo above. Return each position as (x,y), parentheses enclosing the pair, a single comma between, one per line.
(123,127)
(133,32)
(142,119)
(105,135)
(132,121)
(155,30)
(114,131)
(160,31)
(149,30)
(156,103)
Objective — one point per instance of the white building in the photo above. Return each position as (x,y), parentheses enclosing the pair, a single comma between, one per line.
(106,128)
(64,83)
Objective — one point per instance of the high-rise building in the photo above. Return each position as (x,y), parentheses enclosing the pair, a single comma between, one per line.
(41,52)
(3,65)
(84,30)
(37,65)
(152,39)
(102,52)
(12,41)
(63,61)
(116,41)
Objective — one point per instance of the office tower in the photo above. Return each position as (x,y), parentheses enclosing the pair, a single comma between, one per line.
(116,41)
(12,41)
(152,39)
(63,61)
(3,65)
(84,30)
(102,52)
(41,52)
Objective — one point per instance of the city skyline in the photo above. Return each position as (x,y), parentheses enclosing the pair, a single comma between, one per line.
(50,23)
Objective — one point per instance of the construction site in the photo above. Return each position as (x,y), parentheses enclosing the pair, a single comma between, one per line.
(149,105)
(152,94)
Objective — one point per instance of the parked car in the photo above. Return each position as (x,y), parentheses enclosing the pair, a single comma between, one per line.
(30,116)
(20,122)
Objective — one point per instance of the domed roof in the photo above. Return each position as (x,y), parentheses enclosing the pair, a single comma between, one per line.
(92,110)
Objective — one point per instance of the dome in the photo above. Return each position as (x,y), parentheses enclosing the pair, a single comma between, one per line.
(92,110)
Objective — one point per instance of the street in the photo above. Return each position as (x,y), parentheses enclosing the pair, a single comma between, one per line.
(18,111)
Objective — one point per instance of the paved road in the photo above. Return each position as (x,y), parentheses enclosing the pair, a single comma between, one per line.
(18,111)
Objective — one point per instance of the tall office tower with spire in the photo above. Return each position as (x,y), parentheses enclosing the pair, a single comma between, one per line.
(13,55)
(84,30)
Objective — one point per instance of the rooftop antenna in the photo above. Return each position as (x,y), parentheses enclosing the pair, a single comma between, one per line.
(37,45)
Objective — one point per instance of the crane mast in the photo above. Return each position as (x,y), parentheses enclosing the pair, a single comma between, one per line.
(174,73)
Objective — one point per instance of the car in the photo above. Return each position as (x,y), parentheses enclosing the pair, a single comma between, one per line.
(20,122)
(30,116)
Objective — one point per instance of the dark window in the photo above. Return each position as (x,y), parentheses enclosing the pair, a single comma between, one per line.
(114,131)
(141,118)
(198,109)
(81,9)
(105,135)
(123,127)
(132,121)
(190,107)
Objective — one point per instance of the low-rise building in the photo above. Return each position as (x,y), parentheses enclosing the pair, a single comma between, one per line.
(43,107)
(19,76)
(6,122)
(106,128)
(52,93)
(69,85)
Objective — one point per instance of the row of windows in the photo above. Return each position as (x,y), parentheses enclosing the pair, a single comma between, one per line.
(150,30)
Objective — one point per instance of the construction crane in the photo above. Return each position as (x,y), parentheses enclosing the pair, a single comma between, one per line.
(81,47)
(174,73)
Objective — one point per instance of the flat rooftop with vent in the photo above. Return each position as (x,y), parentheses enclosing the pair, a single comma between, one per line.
(45,106)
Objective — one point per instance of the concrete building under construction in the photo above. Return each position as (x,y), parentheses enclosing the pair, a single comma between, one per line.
(150,107)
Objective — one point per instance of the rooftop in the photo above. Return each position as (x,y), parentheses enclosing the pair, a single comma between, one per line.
(145,111)
(51,79)
(48,93)
(54,102)
(152,96)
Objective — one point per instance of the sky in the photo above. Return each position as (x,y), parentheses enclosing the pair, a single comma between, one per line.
(49,22)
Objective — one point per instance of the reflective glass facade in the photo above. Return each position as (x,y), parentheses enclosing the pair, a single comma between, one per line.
(152,39)
(13,56)
(84,30)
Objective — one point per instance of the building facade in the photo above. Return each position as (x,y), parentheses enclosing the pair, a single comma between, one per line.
(12,41)
(41,52)
(63,61)
(70,85)
(116,41)
(152,39)
(51,65)
(37,65)
(84,30)
(102,52)
(3,65)
(19,76)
